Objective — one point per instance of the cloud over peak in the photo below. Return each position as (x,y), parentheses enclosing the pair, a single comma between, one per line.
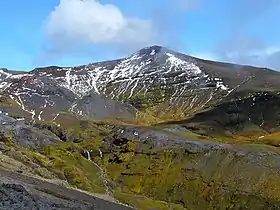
(88,22)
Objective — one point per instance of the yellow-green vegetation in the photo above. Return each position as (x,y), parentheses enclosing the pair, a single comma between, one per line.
(144,203)
(66,159)
(148,177)
(147,118)
(154,106)
(270,139)
(67,162)
(6,139)
(145,177)
(194,180)
(161,113)
(6,102)
(155,95)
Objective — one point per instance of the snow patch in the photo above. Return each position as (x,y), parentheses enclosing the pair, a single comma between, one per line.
(153,52)
(39,116)
(88,155)
(189,66)
(221,86)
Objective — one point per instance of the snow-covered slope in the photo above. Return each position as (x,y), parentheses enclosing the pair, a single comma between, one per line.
(153,72)
(132,74)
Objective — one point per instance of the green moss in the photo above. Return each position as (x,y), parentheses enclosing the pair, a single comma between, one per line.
(76,178)
(144,203)
(7,139)
(67,161)
(6,102)
(142,100)
(192,180)
(270,139)
(4,138)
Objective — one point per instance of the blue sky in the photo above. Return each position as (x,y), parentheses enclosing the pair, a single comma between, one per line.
(72,32)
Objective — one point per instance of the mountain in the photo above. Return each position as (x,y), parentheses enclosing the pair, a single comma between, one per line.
(153,85)
(152,77)
(156,129)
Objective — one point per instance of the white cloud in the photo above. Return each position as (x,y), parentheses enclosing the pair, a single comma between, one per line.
(260,56)
(267,57)
(249,51)
(74,23)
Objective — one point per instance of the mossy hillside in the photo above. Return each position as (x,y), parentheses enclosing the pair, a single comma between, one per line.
(69,128)
(79,136)
(141,100)
(251,117)
(144,203)
(199,134)
(250,135)
(146,103)
(270,139)
(164,112)
(253,138)
(151,176)
(69,164)
(159,114)
(64,158)
(63,161)
(5,139)
(161,103)
(245,115)
(207,179)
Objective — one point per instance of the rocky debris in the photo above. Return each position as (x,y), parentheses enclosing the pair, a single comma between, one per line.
(158,138)
(14,196)
(21,192)
(98,106)
(53,128)
(24,133)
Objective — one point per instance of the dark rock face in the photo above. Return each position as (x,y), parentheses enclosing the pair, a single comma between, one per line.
(147,135)
(97,106)
(24,133)
(259,111)
(14,196)
(26,193)
(59,132)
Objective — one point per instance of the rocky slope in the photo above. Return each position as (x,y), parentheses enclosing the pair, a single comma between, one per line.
(21,192)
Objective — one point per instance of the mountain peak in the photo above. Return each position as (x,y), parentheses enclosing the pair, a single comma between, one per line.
(151,50)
